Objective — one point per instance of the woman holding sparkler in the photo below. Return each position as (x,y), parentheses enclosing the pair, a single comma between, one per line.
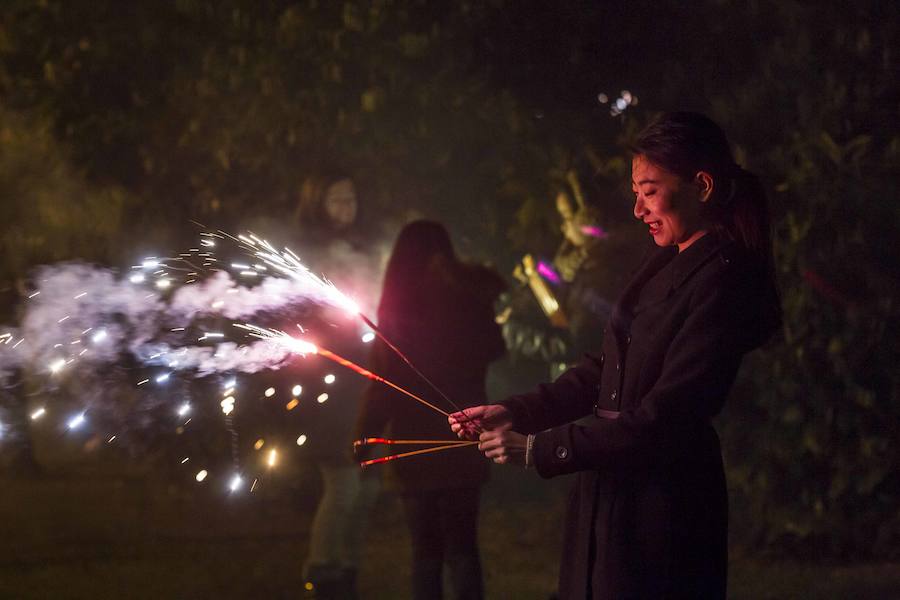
(439,311)
(648,513)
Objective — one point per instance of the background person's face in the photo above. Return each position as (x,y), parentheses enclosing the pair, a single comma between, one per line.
(668,204)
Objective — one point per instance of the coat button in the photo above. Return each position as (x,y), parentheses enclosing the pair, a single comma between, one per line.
(613,395)
(628,339)
(618,365)
(561,452)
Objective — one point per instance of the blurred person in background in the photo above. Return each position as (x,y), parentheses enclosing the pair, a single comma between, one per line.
(439,312)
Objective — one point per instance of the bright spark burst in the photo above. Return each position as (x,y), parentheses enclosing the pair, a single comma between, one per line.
(76,421)
(288,263)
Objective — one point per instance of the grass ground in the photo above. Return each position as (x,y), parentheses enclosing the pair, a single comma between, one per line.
(68,536)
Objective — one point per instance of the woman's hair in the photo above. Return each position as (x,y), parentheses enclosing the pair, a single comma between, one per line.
(685,143)
(420,247)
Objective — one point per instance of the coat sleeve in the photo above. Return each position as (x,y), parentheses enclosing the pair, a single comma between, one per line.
(699,367)
(570,397)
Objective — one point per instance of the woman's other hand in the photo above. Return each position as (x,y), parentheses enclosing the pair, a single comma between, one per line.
(504,447)
(471,422)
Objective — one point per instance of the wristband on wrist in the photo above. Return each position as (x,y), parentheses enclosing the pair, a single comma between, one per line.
(529,451)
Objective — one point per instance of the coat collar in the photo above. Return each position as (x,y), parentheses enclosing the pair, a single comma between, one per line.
(681,266)
(697,254)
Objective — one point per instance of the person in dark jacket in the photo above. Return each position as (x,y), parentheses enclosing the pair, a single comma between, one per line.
(648,513)
(439,312)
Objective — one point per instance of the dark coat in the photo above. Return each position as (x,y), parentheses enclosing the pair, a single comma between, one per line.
(451,336)
(648,513)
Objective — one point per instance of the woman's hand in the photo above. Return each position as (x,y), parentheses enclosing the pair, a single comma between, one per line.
(472,422)
(504,447)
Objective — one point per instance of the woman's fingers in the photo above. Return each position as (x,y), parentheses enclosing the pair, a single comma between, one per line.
(502,446)
(466,424)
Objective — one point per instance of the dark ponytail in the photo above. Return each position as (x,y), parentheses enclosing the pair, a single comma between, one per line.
(685,143)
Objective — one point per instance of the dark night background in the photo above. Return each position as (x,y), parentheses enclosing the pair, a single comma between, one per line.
(123,122)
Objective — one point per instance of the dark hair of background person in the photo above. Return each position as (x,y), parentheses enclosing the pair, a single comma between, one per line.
(685,143)
(420,246)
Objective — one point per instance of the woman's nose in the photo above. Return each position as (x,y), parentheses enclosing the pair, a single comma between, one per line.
(639,209)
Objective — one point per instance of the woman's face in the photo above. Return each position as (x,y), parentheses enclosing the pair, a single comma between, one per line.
(669,205)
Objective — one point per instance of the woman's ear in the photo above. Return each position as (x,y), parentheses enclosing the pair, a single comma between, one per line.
(705,184)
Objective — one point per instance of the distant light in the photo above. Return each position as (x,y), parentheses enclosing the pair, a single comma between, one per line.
(368,337)
(259,444)
(111,439)
(322,398)
(99,336)
(218,304)
(269,392)
(201,475)
(273,458)
(38,414)
(602,98)
(621,104)
(301,440)
(207,242)
(236,483)
(184,409)
(230,383)
(329,379)
(296,390)
(292,404)
(76,421)
(57,365)
(163,378)
(137,278)
(227,405)
(150,263)
(163,284)
(626,96)
(185,459)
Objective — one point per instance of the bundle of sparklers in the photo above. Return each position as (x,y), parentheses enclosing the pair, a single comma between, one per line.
(94,341)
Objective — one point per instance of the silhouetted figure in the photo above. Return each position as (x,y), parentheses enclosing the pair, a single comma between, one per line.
(439,312)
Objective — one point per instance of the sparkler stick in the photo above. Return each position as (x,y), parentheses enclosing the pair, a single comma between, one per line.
(375,461)
(304,347)
(403,357)
(378,440)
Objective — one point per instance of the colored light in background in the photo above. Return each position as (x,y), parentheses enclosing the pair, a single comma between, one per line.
(547,272)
